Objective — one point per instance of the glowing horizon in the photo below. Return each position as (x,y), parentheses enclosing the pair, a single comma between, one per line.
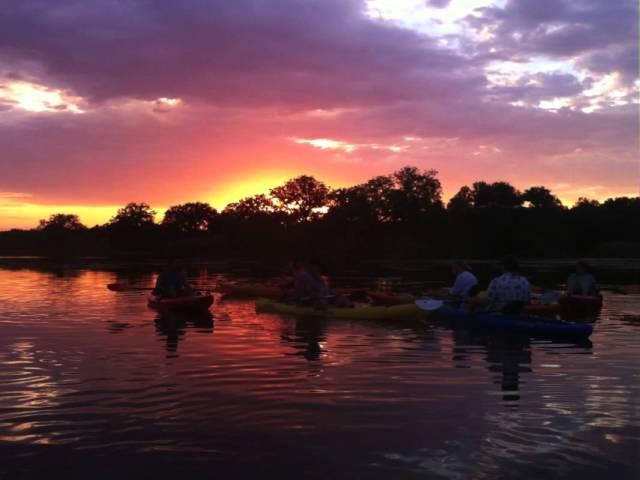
(26,215)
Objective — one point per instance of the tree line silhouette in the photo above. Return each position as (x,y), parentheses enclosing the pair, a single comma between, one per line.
(396,216)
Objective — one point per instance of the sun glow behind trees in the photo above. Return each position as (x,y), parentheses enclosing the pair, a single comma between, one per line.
(344,91)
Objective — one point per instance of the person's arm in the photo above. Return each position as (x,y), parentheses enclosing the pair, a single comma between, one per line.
(457,291)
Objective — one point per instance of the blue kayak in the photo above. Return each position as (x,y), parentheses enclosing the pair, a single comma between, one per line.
(516,323)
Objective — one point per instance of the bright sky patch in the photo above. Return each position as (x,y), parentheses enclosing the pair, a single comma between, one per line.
(38,98)
(419,15)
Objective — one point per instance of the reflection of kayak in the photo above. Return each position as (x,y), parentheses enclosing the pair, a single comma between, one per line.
(397,312)
(194,302)
(252,290)
(517,323)
(580,303)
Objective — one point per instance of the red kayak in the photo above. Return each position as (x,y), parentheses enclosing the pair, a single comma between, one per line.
(580,303)
(197,302)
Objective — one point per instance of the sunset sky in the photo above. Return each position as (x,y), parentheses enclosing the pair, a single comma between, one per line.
(103,102)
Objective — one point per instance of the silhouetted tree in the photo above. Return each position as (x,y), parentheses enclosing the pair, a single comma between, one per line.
(497,194)
(379,193)
(134,216)
(584,202)
(301,198)
(621,203)
(251,207)
(61,222)
(190,217)
(415,193)
(463,200)
(541,197)
(392,216)
(350,205)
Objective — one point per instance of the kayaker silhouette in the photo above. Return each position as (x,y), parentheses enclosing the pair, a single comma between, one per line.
(172,282)
(582,281)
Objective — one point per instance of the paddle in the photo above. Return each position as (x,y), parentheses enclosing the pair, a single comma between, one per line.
(429,304)
(121,287)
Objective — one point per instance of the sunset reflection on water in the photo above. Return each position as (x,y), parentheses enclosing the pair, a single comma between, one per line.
(86,370)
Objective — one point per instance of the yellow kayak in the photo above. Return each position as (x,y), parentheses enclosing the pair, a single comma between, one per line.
(396,312)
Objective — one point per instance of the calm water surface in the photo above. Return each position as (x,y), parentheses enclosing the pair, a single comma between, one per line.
(95,385)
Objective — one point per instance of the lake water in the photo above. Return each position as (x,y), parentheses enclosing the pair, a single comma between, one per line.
(93,384)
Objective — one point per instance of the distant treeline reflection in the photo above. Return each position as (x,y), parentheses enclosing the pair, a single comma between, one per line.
(400,215)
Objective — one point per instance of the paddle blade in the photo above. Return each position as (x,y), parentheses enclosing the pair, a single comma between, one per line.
(429,304)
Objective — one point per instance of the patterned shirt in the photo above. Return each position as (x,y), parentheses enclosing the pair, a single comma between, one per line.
(508,288)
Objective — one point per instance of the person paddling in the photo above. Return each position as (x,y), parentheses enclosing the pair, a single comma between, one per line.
(308,287)
(172,282)
(465,284)
(509,292)
(582,281)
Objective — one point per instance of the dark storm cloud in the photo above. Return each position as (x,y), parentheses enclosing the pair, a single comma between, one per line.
(318,54)
(561,27)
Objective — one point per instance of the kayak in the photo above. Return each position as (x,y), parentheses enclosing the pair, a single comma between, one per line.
(194,302)
(397,312)
(389,299)
(580,303)
(515,323)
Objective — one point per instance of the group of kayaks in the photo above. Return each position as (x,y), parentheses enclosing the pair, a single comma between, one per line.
(535,319)
(526,322)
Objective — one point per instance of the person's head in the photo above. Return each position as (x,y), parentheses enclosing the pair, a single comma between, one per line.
(510,264)
(459,266)
(582,267)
